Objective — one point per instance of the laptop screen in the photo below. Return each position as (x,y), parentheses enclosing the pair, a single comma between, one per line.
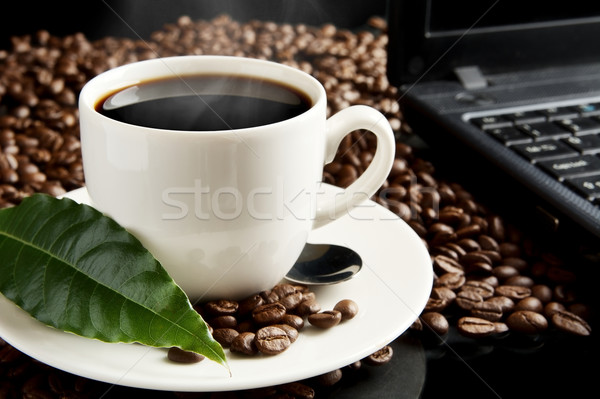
(487,16)
(428,39)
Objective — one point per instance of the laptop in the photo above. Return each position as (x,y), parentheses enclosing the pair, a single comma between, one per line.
(508,93)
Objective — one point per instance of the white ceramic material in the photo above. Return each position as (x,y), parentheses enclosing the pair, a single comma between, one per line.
(391,291)
(225,212)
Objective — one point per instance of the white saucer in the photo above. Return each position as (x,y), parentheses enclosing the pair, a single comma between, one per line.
(391,291)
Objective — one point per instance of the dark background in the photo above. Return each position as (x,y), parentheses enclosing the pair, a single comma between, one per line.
(133,18)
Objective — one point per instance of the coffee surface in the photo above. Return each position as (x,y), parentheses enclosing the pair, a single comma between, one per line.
(204,103)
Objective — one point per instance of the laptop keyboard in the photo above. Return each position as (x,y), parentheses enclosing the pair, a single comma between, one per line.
(564,142)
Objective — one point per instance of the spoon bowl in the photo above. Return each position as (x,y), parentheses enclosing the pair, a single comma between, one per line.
(324,264)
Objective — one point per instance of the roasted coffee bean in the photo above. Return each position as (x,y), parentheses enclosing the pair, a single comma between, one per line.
(488,243)
(469,245)
(249,304)
(440,249)
(223,322)
(331,378)
(355,366)
(293,320)
(571,323)
(487,310)
(494,256)
(286,294)
(380,357)
(496,228)
(348,308)
(451,215)
(506,304)
(437,228)
(505,271)
(488,279)
(530,303)
(179,355)
(221,307)
(291,332)
(475,327)
(527,322)
(509,250)
(560,275)
(443,237)
(269,313)
(452,281)
(297,390)
(467,299)
(563,294)
(468,231)
(444,264)
(484,289)
(456,248)
(244,344)
(520,280)
(436,321)
(308,307)
(225,336)
(515,292)
(246,325)
(475,257)
(552,307)
(500,327)
(271,340)
(478,268)
(518,263)
(308,296)
(417,325)
(291,301)
(325,319)
(443,293)
(542,292)
(436,304)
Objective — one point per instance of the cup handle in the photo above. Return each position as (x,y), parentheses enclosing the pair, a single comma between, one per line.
(339,125)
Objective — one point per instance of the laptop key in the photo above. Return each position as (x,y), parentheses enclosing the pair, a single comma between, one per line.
(544,150)
(491,122)
(589,144)
(557,113)
(577,166)
(588,186)
(545,130)
(589,109)
(523,117)
(581,126)
(509,135)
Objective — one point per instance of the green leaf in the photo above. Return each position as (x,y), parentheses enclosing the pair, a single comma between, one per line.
(74,269)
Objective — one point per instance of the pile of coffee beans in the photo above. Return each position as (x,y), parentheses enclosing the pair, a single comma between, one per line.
(270,321)
(490,278)
(491,286)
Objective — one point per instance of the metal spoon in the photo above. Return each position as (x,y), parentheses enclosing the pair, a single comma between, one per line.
(323,264)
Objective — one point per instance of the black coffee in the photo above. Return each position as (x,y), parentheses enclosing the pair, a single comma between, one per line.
(204,102)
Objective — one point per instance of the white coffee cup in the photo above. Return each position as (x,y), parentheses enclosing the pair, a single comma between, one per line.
(225,212)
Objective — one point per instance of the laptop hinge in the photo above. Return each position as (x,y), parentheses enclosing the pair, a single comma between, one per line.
(470,77)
